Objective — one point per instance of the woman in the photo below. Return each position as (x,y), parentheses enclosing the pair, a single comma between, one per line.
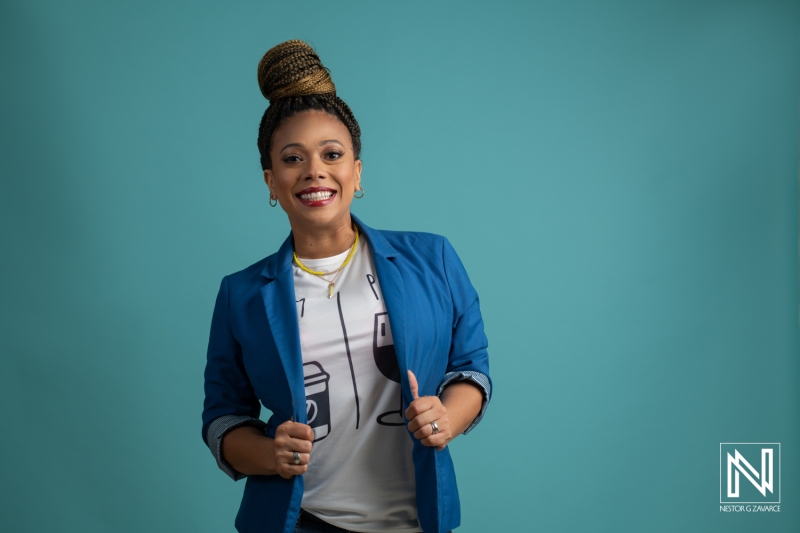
(366,345)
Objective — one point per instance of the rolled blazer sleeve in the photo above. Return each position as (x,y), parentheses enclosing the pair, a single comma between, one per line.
(230,400)
(469,358)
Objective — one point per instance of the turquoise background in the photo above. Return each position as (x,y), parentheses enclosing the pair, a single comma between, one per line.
(620,179)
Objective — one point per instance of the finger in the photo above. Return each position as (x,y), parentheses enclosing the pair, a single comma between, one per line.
(287,471)
(284,426)
(296,445)
(439,439)
(412,381)
(426,430)
(424,411)
(285,442)
(300,431)
(422,432)
(424,420)
(288,458)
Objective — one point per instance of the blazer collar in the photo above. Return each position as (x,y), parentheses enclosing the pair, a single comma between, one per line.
(281,261)
(378,244)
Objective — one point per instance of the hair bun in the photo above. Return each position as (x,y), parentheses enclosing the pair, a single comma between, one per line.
(292,68)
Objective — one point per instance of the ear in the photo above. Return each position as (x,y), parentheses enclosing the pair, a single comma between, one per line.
(269,179)
(357,170)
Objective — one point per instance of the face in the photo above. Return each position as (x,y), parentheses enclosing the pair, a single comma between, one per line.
(314,171)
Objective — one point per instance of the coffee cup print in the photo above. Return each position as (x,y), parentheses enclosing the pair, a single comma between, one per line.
(318,405)
(386,361)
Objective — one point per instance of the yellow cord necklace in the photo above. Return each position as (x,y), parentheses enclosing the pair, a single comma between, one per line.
(337,271)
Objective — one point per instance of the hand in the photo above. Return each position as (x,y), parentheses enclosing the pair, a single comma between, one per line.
(292,437)
(421,412)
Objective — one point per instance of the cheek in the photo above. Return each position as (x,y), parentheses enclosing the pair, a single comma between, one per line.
(351,179)
(283,183)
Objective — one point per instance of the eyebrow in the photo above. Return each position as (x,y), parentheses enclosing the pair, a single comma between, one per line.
(300,145)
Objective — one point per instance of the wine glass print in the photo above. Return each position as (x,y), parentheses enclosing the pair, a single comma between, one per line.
(386,361)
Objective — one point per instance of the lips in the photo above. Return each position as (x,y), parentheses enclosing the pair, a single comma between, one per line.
(316,196)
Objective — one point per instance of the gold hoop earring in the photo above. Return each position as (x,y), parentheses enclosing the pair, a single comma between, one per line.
(359,190)
(272,201)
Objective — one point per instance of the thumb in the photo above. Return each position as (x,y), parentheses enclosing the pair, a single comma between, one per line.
(412,381)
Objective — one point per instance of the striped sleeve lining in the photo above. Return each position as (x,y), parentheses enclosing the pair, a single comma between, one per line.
(480,379)
(217,430)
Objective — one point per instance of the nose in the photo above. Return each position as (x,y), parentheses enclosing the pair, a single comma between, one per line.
(315,170)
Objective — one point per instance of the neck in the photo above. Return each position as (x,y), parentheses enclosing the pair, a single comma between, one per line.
(319,242)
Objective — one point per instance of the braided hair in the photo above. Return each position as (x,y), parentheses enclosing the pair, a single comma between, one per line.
(292,78)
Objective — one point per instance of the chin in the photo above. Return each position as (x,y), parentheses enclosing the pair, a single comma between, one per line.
(321,216)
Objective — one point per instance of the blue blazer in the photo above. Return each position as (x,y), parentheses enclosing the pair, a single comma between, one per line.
(254,356)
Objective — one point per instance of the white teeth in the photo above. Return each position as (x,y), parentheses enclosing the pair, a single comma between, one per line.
(316,196)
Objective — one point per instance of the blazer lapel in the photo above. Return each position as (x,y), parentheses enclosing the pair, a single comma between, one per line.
(391,282)
(281,308)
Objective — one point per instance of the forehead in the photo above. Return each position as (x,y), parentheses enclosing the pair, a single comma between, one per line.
(309,128)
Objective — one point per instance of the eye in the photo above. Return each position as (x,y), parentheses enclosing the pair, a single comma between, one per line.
(291,158)
(334,154)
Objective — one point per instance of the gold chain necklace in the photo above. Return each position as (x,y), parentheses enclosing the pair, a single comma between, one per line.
(337,271)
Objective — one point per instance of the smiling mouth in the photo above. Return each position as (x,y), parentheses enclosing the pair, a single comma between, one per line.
(316,198)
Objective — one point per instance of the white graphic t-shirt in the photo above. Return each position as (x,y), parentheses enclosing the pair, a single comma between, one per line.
(361,474)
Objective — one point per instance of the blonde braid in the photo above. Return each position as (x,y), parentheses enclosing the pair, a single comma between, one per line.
(293,69)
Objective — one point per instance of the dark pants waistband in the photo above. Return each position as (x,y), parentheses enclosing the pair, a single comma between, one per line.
(308,523)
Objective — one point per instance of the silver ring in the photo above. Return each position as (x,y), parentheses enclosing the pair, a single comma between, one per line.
(435,427)
(296,458)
